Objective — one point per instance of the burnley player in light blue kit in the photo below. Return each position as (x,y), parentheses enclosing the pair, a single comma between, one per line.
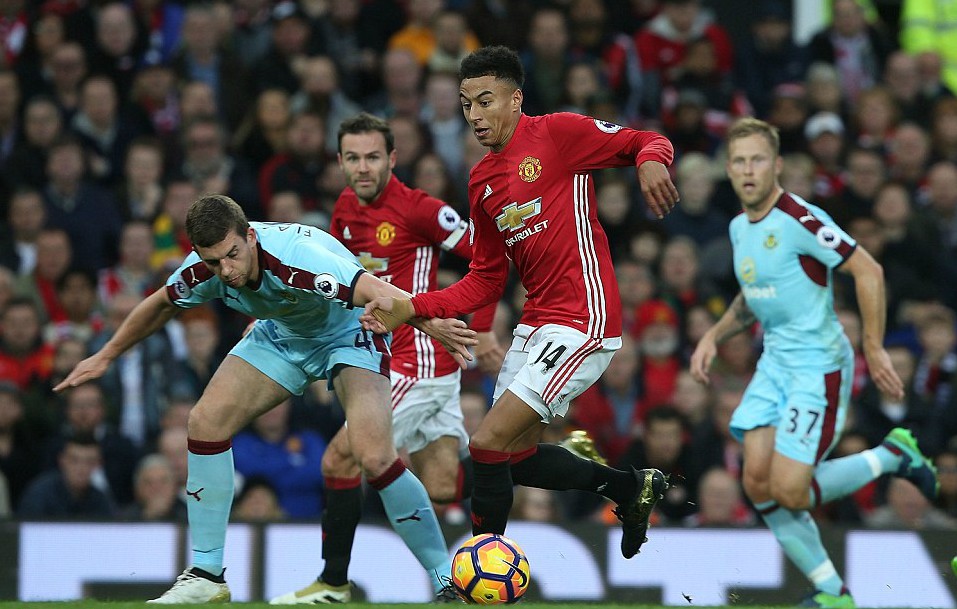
(306,290)
(793,411)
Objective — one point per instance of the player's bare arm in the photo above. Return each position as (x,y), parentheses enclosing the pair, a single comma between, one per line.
(375,294)
(146,318)
(871,297)
(657,187)
(489,353)
(738,318)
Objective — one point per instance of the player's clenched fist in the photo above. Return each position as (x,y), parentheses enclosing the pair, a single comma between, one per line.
(386,313)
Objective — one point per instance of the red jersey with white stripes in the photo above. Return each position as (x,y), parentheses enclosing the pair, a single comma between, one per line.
(533,203)
(397,238)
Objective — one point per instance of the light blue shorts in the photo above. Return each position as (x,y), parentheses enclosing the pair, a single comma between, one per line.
(807,406)
(295,361)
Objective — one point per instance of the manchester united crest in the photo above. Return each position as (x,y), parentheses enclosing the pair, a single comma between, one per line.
(530,169)
(385,233)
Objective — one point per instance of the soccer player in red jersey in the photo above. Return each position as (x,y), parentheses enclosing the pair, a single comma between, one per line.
(396,233)
(531,200)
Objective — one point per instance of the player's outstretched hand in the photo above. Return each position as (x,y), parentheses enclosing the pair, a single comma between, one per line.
(91,368)
(454,335)
(489,353)
(702,358)
(656,185)
(385,314)
(882,371)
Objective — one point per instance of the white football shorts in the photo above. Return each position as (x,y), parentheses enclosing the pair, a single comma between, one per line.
(425,409)
(548,366)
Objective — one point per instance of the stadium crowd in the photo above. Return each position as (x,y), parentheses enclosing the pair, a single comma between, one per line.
(115,116)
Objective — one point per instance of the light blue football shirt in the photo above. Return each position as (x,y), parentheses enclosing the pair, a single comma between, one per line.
(784,263)
(306,285)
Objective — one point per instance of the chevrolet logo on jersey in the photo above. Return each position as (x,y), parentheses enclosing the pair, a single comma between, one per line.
(513,215)
(371,263)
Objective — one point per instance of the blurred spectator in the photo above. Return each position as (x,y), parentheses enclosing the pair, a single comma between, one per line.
(682,287)
(85,414)
(858,49)
(25,359)
(875,117)
(42,126)
(659,342)
(7,285)
(589,28)
(54,257)
(319,94)
(712,439)
(431,175)
(154,490)
(25,219)
(197,100)
(201,330)
(663,445)
(876,414)
(171,243)
(769,56)
(172,444)
(410,143)
(502,22)
(925,31)
(902,78)
(293,39)
(907,508)
(544,60)
(140,380)
(535,505)
(851,322)
(944,130)
(910,263)
(582,83)
(45,33)
(68,491)
(252,30)
(285,206)
(720,502)
(865,174)
(11,131)
(442,115)
(298,169)
(87,213)
(612,409)
(257,502)
(141,194)
(212,170)
(453,41)
(119,48)
(824,133)
(789,111)
(155,99)
(909,152)
(798,177)
(695,217)
(941,207)
(617,212)
(400,95)
(262,134)
(688,128)
(68,68)
(162,23)
(637,286)
(824,93)
(201,58)
(946,463)
(103,131)
(934,377)
(290,460)
(420,36)
(76,291)
(19,462)
(692,399)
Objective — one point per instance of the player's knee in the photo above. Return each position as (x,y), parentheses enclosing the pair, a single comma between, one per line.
(337,465)
(789,496)
(441,487)
(205,427)
(755,486)
(486,440)
(374,463)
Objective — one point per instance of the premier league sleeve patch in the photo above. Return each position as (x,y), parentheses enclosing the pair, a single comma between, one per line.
(448,218)
(607,127)
(828,237)
(326,285)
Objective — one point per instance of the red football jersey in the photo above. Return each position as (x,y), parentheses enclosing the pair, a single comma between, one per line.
(533,202)
(397,238)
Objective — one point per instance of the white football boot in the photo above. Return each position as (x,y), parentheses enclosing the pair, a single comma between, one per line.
(192,589)
(318,592)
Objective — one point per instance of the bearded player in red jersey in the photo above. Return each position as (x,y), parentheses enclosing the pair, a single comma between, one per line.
(397,233)
(531,200)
